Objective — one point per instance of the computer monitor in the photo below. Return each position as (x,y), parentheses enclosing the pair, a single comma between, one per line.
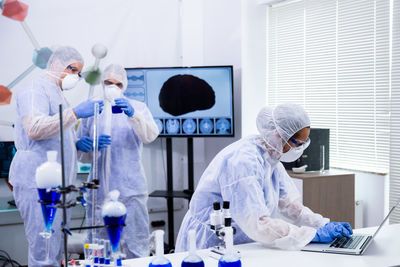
(312,156)
(186,101)
(7,152)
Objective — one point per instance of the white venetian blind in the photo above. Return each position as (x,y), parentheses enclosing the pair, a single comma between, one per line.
(332,56)
(395,115)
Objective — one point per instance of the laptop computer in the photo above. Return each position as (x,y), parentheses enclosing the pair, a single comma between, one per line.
(354,245)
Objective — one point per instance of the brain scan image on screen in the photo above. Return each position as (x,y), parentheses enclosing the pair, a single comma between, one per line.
(172,126)
(186,101)
(189,126)
(206,126)
(135,77)
(136,93)
(160,125)
(186,93)
(223,126)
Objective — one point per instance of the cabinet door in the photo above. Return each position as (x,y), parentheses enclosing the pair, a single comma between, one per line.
(331,196)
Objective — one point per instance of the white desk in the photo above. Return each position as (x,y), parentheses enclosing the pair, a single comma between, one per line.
(384,251)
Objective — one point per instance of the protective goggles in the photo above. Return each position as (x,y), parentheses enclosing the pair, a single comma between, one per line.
(74,70)
(299,143)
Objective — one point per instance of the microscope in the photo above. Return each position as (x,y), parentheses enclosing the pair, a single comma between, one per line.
(220,221)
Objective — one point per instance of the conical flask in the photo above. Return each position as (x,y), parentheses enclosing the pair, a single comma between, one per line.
(230,258)
(193,259)
(159,260)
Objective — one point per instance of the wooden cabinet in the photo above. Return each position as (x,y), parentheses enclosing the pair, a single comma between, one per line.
(330,194)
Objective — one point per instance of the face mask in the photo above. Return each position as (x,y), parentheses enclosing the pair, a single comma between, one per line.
(292,155)
(112,92)
(69,81)
(295,152)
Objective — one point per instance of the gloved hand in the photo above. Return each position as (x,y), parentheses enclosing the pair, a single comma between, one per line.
(331,231)
(104,141)
(346,226)
(86,108)
(125,106)
(85,144)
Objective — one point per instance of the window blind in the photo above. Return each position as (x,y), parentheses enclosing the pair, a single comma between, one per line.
(332,57)
(394,192)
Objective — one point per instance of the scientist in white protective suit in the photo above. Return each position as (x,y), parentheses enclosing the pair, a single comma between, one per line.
(249,174)
(37,130)
(124,125)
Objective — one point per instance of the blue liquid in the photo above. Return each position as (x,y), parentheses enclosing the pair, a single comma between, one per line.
(107,261)
(192,264)
(160,265)
(222,263)
(48,210)
(114,233)
(116,109)
(101,260)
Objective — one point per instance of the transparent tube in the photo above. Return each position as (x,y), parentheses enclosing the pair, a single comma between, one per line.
(91,91)
(94,165)
(21,76)
(322,158)
(30,35)
(47,248)
(95,68)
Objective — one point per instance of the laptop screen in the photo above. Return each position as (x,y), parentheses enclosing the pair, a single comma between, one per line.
(386,218)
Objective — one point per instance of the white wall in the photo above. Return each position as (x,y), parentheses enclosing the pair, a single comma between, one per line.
(137,34)
(254,56)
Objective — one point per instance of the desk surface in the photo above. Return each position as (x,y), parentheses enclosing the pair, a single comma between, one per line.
(384,251)
(318,174)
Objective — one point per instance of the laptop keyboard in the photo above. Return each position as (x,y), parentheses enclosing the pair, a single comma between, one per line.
(347,242)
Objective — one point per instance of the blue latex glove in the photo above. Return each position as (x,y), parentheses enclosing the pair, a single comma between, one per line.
(86,108)
(125,106)
(85,144)
(331,231)
(348,231)
(104,141)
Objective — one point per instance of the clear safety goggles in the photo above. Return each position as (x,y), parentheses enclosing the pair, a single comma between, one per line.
(75,71)
(299,143)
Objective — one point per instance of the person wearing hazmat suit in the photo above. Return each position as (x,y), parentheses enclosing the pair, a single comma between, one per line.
(36,132)
(124,124)
(249,174)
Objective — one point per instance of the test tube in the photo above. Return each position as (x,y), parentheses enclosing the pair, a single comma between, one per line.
(322,158)
(86,251)
(107,250)
(102,251)
(96,252)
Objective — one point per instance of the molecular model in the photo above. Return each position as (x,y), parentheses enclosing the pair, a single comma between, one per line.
(16,10)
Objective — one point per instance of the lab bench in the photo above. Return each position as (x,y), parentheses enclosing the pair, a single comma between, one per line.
(383,251)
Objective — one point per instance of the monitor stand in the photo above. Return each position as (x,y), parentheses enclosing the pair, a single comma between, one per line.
(170,194)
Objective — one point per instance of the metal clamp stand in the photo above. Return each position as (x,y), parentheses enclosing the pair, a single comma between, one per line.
(64,190)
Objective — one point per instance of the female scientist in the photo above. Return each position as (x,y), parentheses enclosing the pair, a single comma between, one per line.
(129,123)
(249,174)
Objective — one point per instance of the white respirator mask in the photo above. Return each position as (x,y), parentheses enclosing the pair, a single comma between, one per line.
(294,153)
(112,92)
(69,81)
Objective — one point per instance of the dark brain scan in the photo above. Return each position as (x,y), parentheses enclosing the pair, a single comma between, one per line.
(185,93)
